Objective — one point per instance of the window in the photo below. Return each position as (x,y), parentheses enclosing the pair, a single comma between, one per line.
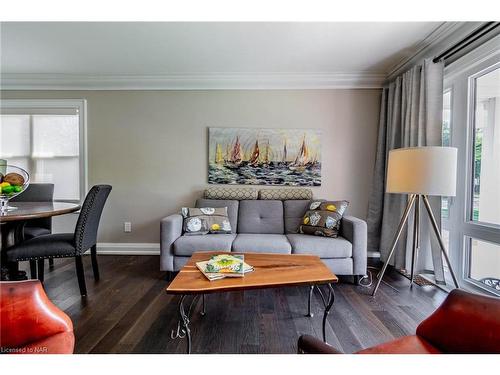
(483,263)
(446,141)
(47,138)
(471,123)
(486,148)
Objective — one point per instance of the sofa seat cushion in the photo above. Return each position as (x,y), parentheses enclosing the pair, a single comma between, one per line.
(324,247)
(187,245)
(262,243)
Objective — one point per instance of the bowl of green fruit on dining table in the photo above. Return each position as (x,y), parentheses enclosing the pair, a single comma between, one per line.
(13,181)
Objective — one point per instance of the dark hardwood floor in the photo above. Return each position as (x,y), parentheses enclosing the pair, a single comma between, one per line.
(128,311)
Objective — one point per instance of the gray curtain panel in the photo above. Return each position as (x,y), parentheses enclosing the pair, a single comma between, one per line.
(410,116)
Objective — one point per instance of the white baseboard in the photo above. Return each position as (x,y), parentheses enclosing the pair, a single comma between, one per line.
(126,248)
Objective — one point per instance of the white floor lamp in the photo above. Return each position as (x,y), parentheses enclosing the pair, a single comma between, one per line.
(420,172)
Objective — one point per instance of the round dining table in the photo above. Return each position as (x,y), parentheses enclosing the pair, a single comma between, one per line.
(12,224)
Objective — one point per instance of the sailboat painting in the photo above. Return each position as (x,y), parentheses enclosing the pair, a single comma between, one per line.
(264,156)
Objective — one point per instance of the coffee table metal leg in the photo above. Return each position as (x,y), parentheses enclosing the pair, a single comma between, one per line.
(327,302)
(183,324)
(203,305)
(311,291)
(328,306)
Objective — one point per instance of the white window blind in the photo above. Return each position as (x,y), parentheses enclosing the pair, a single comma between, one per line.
(47,143)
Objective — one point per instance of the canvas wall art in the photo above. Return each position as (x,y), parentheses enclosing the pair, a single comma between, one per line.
(264,156)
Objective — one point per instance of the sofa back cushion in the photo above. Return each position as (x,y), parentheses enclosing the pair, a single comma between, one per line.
(294,212)
(284,194)
(257,216)
(232,209)
(237,193)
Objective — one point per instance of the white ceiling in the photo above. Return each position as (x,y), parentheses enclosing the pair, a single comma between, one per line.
(155,49)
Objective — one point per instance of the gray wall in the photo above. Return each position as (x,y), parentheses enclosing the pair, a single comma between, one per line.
(152,145)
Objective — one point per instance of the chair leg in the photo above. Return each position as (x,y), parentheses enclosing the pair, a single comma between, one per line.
(33,269)
(80,275)
(41,269)
(95,268)
(51,263)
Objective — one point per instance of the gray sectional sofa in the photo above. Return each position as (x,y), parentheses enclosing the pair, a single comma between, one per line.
(267,226)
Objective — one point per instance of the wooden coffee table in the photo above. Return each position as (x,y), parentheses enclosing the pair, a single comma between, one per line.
(271,271)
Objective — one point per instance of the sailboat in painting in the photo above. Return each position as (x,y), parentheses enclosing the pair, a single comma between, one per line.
(264,157)
(219,159)
(265,161)
(301,161)
(235,156)
(283,158)
(254,157)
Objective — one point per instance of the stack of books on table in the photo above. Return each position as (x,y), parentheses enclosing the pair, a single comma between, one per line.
(224,265)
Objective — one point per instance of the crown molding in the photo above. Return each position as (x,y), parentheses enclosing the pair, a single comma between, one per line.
(487,51)
(441,38)
(339,80)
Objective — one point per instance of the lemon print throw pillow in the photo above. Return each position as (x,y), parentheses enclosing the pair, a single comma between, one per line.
(323,218)
(205,220)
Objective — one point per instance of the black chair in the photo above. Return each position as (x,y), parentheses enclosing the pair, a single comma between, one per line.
(37,192)
(63,245)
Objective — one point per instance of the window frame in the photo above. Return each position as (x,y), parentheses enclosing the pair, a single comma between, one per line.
(449,199)
(80,105)
(467,249)
(459,77)
(471,139)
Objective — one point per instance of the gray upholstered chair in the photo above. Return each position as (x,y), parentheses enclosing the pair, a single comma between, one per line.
(37,192)
(68,244)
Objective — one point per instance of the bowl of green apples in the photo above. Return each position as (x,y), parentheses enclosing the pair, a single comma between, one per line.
(13,181)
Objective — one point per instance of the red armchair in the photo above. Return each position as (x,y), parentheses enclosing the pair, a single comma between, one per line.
(30,323)
(464,323)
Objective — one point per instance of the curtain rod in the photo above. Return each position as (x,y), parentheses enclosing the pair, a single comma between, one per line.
(469,39)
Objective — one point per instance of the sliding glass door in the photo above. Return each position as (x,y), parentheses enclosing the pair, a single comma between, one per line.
(471,122)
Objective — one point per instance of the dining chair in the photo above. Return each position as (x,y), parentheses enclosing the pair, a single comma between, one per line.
(63,245)
(37,192)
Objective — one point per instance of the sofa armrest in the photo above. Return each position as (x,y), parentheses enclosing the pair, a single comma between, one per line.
(170,230)
(355,231)
(464,323)
(311,345)
(27,316)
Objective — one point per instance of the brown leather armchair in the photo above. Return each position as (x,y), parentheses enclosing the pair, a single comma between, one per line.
(464,323)
(30,323)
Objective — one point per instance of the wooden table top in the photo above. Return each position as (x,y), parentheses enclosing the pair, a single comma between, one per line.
(270,271)
(36,210)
